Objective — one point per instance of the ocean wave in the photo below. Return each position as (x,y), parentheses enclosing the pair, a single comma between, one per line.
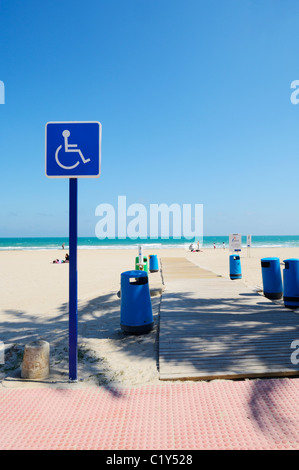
(85,243)
(93,247)
(28,248)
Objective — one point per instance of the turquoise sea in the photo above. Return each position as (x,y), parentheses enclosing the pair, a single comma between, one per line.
(94,243)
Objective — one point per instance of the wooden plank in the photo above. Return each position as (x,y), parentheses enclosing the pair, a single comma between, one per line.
(228,375)
(199,333)
(275,336)
(233,368)
(220,350)
(225,366)
(218,345)
(231,372)
(214,362)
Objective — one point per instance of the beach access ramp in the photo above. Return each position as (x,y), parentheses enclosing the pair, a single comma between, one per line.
(212,327)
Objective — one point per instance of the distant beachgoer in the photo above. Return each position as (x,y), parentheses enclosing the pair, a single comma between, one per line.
(214,245)
(223,245)
(63,246)
(197,249)
(60,261)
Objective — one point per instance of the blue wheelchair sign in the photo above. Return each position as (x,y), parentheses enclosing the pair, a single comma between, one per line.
(73,149)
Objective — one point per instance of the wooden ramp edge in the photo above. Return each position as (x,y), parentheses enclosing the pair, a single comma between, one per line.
(215,328)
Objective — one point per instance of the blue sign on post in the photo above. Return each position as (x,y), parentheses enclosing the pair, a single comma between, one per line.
(73,150)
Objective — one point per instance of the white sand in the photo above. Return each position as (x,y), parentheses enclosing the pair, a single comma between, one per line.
(217,260)
(34,304)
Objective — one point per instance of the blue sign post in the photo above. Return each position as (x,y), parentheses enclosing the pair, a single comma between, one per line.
(73,279)
(73,150)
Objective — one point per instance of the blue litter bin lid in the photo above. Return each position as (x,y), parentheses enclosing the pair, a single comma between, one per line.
(134,273)
(291,259)
(270,259)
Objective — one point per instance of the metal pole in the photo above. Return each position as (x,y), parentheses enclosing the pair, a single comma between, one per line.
(73,305)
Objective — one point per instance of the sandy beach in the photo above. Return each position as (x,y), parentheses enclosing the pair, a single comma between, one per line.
(34,305)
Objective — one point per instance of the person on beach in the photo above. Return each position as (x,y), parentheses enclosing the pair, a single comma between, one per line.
(223,245)
(63,246)
(214,246)
(60,261)
(193,247)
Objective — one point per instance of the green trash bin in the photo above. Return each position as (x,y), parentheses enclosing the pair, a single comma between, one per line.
(145,266)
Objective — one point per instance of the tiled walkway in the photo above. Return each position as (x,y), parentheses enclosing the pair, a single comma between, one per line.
(250,414)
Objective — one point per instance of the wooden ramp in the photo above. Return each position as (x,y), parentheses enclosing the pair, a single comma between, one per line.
(181,268)
(212,327)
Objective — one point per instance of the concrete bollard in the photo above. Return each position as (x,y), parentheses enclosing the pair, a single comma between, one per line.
(36,360)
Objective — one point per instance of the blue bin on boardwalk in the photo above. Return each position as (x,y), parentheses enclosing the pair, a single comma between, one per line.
(136,316)
(272,280)
(235,271)
(153,263)
(291,283)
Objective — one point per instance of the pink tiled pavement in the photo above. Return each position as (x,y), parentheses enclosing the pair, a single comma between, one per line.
(251,414)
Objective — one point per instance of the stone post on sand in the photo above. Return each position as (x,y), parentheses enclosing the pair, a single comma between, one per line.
(36,360)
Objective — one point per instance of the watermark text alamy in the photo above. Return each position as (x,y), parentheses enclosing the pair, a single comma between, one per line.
(158,220)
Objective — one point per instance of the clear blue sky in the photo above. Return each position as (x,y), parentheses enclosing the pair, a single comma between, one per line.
(193,97)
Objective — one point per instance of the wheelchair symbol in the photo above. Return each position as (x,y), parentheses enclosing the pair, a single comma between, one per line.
(69,148)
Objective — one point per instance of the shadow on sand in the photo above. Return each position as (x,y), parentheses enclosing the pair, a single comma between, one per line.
(98,323)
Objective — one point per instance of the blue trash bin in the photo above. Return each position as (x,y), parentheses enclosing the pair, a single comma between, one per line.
(272,280)
(136,316)
(291,283)
(153,263)
(235,271)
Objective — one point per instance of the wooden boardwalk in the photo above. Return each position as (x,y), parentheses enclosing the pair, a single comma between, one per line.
(212,327)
